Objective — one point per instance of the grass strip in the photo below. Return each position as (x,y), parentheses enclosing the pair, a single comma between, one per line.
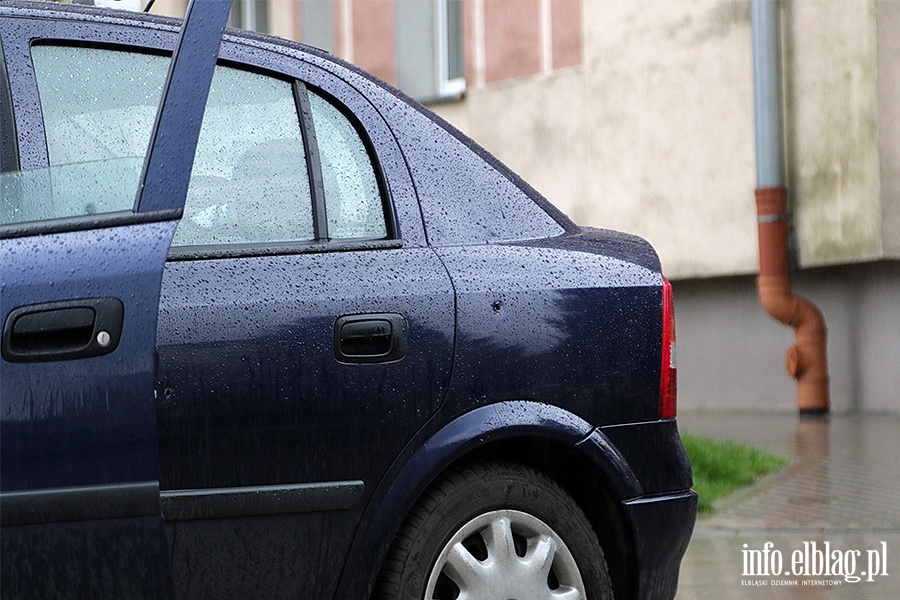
(722,467)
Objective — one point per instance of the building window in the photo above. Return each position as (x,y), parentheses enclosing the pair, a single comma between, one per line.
(427,60)
(449,26)
(430,49)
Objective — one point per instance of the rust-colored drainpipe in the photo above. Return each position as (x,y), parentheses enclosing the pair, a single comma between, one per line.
(806,360)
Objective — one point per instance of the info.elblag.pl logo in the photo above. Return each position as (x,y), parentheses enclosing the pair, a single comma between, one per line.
(814,564)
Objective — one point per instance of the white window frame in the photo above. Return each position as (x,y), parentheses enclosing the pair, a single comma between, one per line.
(447,86)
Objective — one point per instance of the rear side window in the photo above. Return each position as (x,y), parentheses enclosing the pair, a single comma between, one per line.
(251,180)
(352,197)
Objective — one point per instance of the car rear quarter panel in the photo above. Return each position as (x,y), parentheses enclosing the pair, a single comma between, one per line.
(570,327)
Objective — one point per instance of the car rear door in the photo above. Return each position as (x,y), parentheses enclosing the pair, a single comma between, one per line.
(82,255)
(305,333)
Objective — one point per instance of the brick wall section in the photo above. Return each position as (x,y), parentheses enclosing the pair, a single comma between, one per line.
(566,27)
(375,38)
(513,38)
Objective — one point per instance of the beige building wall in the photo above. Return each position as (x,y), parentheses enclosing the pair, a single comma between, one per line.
(832,129)
(170,8)
(887,27)
(653,133)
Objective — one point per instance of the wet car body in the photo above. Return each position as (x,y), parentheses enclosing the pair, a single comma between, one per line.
(308,391)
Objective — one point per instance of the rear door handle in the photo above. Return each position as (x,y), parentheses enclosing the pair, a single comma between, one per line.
(66,330)
(370,338)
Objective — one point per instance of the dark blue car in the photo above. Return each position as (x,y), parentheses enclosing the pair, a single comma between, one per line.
(338,351)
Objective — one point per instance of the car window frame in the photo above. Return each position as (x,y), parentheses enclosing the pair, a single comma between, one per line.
(234,53)
(321,241)
(9,147)
(334,82)
(199,251)
(369,147)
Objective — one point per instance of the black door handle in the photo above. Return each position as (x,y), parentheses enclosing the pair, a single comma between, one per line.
(63,330)
(370,338)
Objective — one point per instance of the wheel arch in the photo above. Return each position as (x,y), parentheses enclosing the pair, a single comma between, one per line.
(571,468)
(545,437)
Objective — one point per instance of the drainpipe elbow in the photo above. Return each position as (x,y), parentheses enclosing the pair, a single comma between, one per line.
(806,360)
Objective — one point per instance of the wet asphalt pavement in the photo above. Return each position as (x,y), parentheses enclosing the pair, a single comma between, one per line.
(830,517)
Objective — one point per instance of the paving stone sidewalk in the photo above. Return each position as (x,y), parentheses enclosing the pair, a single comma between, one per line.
(838,497)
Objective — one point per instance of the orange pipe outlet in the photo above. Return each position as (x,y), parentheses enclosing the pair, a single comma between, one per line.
(806,360)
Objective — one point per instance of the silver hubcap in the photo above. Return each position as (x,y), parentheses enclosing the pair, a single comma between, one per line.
(505,555)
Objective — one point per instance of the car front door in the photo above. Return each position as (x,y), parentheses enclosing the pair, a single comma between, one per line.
(83,245)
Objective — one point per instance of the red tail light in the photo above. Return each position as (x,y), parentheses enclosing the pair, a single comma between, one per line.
(668,388)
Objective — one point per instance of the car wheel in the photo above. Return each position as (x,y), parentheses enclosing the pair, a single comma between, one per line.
(496,530)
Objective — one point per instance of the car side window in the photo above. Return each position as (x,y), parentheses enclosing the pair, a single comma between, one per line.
(97,131)
(250,183)
(352,198)
(97,104)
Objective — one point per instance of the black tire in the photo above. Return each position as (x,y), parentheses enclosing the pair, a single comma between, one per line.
(462,532)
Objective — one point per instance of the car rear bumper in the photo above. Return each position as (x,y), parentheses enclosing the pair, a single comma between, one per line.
(662,527)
